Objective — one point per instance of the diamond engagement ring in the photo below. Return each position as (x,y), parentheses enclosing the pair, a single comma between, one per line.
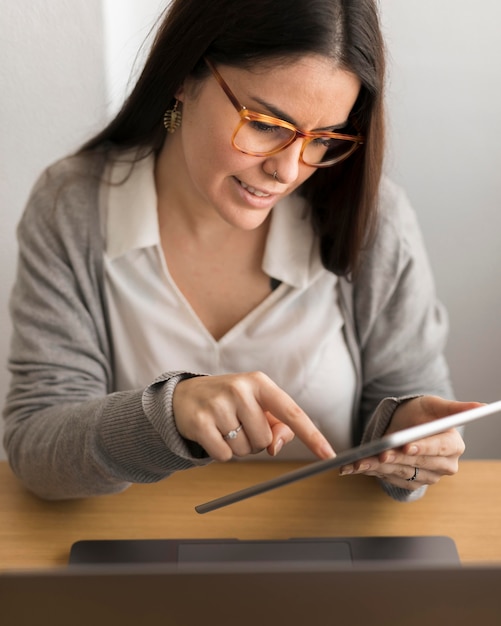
(233,433)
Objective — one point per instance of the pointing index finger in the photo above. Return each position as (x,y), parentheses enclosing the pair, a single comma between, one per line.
(283,407)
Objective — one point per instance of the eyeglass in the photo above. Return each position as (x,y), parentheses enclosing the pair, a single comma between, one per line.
(262,135)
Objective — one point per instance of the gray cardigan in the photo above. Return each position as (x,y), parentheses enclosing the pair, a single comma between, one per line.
(68,433)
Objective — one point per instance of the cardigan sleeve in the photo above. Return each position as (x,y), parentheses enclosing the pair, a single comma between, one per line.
(67,433)
(401,326)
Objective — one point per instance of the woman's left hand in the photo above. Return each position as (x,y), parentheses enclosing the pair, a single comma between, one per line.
(422,462)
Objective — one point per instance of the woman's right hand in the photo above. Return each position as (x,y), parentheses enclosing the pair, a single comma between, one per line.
(207,408)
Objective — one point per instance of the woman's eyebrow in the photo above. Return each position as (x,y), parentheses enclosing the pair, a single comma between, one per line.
(275,111)
(283,116)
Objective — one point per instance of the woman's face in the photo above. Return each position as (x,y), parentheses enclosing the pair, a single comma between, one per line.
(212,176)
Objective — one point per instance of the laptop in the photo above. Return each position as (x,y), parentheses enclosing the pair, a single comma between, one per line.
(264,594)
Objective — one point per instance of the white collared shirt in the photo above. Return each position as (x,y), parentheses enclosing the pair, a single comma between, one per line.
(295,335)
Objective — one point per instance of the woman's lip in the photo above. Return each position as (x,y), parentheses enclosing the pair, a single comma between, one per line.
(265,200)
(259,193)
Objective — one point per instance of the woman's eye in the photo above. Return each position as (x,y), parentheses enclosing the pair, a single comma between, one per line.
(264,128)
(325,142)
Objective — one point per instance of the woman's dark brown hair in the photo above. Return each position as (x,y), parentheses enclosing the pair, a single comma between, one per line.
(241,33)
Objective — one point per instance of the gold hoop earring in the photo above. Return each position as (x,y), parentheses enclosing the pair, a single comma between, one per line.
(172,118)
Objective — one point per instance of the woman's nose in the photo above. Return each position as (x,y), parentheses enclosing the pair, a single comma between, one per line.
(286,163)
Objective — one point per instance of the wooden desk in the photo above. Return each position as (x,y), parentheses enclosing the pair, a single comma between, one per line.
(466,507)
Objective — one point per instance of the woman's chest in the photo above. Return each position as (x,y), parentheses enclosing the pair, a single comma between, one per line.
(294,335)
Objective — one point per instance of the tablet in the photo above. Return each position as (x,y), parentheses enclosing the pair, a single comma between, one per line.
(372,448)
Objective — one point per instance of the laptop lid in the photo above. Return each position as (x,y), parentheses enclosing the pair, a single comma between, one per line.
(265,594)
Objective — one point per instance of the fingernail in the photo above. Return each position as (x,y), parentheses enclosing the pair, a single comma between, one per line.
(344,471)
(364,467)
(278,446)
(326,451)
(413,450)
(389,458)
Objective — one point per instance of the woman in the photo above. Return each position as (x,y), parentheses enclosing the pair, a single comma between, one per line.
(223,267)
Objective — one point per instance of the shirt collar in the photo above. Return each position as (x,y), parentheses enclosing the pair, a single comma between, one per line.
(132,220)
(291,253)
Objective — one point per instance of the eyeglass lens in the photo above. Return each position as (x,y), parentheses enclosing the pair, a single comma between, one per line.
(260,138)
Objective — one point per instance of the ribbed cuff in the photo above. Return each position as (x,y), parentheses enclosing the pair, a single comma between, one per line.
(376,429)
(157,405)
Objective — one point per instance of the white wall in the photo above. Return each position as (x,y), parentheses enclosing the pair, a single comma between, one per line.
(66,65)
(445,117)
(129,26)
